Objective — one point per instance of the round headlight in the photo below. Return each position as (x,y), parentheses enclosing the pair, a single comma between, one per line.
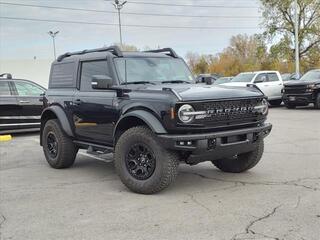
(183,113)
(263,107)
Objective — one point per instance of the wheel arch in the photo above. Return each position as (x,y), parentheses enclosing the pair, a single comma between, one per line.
(55,112)
(136,118)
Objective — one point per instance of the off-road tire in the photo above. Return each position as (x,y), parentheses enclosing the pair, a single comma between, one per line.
(275,102)
(317,102)
(66,150)
(166,167)
(290,106)
(241,162)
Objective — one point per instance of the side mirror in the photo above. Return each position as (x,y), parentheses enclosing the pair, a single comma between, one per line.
(101,82)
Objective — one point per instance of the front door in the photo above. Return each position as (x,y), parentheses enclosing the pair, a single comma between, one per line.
(262,83)
(28,96)
(275,86)
(93,113)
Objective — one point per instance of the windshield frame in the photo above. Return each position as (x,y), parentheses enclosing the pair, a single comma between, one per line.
(121,82)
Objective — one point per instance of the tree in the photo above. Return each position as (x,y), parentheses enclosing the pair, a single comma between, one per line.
(279,22)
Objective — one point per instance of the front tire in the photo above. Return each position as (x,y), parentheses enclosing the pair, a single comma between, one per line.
(241,162)
(142,164)
(58,148)
(317,102)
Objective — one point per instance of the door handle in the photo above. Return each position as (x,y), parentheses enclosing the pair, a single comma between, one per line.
(77,102)
(21,101)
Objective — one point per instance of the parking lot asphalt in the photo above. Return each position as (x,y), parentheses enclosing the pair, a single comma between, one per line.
(278,199)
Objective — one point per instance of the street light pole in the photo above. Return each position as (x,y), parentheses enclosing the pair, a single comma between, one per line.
(296,33)
(53,36)
(118,6)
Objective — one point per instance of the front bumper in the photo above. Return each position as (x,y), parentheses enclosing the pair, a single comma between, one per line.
(299,99)
(217,144)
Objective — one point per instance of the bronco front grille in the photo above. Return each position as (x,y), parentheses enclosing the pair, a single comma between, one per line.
(229,112)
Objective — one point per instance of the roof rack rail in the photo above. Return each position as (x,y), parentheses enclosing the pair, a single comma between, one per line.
(8,75)
(113,49)
(170,52)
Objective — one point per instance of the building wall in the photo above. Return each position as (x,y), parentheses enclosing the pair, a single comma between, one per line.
(35,70)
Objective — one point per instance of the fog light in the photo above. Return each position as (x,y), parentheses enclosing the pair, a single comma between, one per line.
(185,143)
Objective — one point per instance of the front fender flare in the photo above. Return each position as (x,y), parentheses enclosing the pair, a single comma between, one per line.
(152,122)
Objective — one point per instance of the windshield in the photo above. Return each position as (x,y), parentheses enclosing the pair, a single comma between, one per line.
(243,77)
(311,76)
(152,70)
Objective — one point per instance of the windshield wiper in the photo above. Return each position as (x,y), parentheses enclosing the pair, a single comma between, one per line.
(176,81)
(138,82)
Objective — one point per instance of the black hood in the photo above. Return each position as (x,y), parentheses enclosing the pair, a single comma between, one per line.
(193,92)
(301,83)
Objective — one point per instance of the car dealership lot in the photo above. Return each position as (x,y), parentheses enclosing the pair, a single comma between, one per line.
(278,199)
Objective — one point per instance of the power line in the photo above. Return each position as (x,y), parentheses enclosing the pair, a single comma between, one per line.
(188,5)
(127,13)
(125,25)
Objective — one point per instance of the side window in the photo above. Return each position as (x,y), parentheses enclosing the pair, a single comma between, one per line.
(89,69)
(273,77)
(261,78)
(28,89)
(4,88)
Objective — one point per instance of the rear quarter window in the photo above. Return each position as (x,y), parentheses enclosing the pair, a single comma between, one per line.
(63,75)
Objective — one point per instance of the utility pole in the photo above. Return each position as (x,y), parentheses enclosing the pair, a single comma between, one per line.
(53,36)
(118,6)
(296,33)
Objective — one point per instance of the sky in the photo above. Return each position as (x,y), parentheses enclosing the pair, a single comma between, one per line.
(28,39)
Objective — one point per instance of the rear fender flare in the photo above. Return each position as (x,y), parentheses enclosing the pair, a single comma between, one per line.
(60,115)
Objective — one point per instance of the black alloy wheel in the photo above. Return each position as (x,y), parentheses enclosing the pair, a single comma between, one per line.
(140,161)
(52,145)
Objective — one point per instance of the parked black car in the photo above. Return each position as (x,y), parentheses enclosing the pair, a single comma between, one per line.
(304,91)
(20,104)
(146,108)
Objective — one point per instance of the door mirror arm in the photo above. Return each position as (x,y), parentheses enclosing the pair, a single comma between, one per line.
(106,82)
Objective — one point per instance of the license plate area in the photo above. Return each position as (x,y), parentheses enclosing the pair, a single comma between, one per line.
(292,98)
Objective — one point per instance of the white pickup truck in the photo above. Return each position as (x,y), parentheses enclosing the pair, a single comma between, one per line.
(269,82)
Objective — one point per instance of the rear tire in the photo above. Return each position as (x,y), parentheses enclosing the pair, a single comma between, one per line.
(317,102)
(58,148)
(275,102)
(142,164)
(241,162)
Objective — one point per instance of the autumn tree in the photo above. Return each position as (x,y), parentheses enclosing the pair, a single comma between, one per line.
(279,22)
(245,53)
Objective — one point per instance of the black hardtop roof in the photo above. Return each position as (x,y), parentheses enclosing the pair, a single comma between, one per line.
(115,51)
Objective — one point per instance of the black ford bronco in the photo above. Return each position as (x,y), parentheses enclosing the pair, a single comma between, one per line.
(146,108)
(304,91)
